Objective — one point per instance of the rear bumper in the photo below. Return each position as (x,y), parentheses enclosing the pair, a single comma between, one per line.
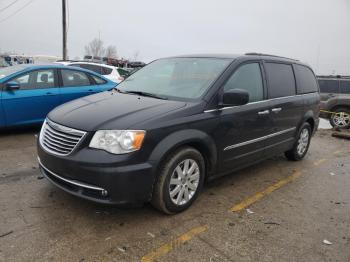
(106,184)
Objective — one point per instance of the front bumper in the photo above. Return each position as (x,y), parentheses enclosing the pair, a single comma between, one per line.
(89,176)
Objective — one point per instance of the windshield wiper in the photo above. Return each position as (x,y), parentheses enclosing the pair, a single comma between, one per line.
(141,93)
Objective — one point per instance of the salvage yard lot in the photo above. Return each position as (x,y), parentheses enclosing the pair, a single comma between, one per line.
(274,211)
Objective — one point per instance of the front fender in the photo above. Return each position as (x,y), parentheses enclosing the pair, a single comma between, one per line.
(200,140)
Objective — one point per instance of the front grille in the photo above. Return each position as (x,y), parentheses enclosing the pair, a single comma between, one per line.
(58,139)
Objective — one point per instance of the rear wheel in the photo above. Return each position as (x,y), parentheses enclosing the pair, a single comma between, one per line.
(301,145)
(341,118)
(180,180)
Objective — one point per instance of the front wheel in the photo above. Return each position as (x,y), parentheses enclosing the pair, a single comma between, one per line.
(301,145)
(179,181)
(340,118)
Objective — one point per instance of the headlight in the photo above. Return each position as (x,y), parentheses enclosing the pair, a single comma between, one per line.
(118,141)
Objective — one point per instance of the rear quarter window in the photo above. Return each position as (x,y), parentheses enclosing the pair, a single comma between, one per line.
(106,70)
(329,86)
(345,86)
(281,81)
(306,81)
(98,80)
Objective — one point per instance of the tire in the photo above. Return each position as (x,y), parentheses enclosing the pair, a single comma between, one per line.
(341,119)
(301,145)
(169,173)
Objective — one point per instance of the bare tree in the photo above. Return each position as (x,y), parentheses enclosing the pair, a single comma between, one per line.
(136,55)
(95,48)
(111,52)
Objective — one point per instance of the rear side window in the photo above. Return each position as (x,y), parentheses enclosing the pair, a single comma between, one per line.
(306,81)
(280,79)
(247,77)
(106,70)
(95,68)
(329,86)
(98,80)
(345,86)
(123,72)
(74,78)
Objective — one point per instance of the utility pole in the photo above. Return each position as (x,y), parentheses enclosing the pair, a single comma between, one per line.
(64,30)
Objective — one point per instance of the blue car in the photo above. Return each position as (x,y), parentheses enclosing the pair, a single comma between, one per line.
(29,92)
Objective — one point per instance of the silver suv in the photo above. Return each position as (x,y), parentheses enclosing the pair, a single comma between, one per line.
(335,100)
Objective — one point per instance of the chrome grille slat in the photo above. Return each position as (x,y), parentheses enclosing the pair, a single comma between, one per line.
(61,134)
(57,145)
(65,143)
(58,139)
(53,148)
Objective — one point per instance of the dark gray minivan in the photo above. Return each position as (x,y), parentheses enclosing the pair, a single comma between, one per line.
(176,123)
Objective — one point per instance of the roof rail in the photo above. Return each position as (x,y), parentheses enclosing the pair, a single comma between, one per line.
(261,54)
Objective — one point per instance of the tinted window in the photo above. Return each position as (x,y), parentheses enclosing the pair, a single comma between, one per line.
(36,80)
(329,86)
(98,80)
(345,86)
(306,81)
(123,72)
(281,80)
(95,68)
(74,78)
(247,77)
(106,70)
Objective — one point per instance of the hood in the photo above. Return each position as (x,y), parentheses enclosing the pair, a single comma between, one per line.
(110,110)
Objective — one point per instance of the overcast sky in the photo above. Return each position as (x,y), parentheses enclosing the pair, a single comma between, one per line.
(314,31)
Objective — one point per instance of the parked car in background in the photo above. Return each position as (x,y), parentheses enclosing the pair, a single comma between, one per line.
(29,92)
(176,123)
(335,100)
(3,62)
(111,72)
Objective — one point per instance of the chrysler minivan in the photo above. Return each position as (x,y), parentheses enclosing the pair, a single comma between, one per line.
(177,123)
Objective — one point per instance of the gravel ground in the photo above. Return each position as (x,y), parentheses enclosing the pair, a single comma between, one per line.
(290,221)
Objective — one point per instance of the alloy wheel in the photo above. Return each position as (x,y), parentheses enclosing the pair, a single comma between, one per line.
(303,141)
(184,182)
(341,119)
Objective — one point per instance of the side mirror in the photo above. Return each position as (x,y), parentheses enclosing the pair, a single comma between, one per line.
(12,86)
(235,97)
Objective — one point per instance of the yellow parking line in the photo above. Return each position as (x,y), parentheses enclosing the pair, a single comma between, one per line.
(318,162)
(250,200)
(166,248)
(337,152)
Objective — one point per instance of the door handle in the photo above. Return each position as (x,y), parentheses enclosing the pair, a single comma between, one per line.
(276,110)
(265,112)
(48,93)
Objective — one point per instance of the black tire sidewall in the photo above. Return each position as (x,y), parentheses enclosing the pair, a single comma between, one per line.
(187,153)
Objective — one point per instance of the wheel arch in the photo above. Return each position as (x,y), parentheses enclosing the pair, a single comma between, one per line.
(189,137)
(309,117)
(337,106)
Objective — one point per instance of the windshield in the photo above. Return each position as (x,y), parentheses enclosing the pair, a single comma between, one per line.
(184,78)
(6,71)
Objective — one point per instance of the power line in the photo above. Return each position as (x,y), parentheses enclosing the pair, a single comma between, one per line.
(16,12)
(11,4)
